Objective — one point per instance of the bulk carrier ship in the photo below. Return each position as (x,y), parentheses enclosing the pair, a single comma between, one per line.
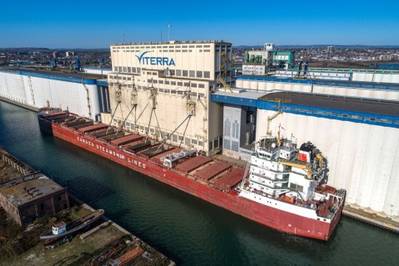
(282,187)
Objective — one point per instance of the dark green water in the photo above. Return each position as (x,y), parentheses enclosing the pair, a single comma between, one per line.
(186,229)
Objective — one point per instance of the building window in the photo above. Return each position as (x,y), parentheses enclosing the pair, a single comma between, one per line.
(186,84)
(185,73)
(227,126)
(179,83)
(234,145)
(296,187)
(199,74)
(210,145)
(216,143)
(201,86)
(125,69)
(207,74)
(129,69)
(166,81)
(171,72)
(192,74)
(173,83)
(194,85)
(178,72)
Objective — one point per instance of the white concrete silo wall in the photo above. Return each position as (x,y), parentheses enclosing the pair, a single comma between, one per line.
(67,95)
(357,92)
(286,86)
(375,77)
(364,159)
(39,92)
(239,83)
(62,94)
(380,94)
(94,99)
(12,87)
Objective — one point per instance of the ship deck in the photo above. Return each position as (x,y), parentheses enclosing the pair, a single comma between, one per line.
(221,174)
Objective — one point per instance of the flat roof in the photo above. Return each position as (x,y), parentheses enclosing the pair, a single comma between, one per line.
(241,93)
(352,104)
(22,190)
(171,42)
(77,77)
(326,82)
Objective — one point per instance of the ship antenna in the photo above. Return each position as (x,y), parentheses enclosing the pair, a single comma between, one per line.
(279,135)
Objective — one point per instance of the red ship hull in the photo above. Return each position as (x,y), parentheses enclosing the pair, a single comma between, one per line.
(270,217)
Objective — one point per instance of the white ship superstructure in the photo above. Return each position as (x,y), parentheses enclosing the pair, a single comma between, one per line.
(292,180)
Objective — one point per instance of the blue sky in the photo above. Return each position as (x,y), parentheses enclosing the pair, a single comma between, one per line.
(86,24)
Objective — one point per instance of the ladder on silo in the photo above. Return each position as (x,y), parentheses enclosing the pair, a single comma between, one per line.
(31,90)
(87,97)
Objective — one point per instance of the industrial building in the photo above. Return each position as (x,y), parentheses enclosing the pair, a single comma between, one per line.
(80,93)
(261,62)
(163,90)
(29,197)
(97,70)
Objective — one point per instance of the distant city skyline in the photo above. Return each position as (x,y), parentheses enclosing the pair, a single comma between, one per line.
(97,24)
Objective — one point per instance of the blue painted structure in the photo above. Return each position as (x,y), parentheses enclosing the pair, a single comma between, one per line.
(330,113)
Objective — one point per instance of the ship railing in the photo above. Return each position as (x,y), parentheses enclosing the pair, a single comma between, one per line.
(267,177)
